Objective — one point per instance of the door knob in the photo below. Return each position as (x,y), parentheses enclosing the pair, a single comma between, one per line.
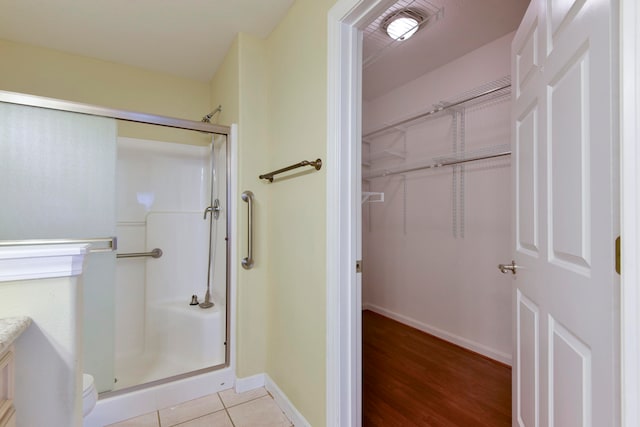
(504,268)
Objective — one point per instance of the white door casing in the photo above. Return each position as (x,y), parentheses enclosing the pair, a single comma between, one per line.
(565,370)
(344,62)
(344,19)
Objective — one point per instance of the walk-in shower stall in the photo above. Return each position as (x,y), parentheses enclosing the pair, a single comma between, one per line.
(155,213)
(171,198)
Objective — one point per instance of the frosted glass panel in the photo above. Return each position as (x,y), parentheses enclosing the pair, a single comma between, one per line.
(58,181)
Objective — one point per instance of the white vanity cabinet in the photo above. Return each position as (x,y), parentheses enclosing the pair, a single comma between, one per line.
(7,374)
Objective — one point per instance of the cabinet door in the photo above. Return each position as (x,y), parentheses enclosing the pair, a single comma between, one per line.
(7,412)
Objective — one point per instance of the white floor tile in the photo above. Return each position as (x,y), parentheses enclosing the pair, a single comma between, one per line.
(217,419)
(262,412)
(231,398)
(190,410)
(146,420)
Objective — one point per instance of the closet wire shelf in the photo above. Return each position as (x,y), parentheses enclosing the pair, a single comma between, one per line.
(451,160)
(495,90)
(490,92)
(372,197)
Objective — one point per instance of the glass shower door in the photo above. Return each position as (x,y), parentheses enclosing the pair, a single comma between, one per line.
(58,182)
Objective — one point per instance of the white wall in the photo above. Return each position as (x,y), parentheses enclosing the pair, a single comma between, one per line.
(41,282)
(415,269)
(53,338)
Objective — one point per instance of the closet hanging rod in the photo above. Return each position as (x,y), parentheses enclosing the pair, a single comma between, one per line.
(436,110)
(441,164)
(316,164)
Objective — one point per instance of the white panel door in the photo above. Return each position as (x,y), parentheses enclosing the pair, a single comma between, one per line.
(565,370)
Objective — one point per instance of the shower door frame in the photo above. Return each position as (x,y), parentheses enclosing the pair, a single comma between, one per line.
(229,133)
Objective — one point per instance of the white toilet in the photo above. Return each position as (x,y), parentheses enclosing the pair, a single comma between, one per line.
(89,394)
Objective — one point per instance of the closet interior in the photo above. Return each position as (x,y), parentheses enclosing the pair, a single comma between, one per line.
(436,173)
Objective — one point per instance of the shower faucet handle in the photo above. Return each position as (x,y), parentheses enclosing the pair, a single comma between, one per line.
(215,209)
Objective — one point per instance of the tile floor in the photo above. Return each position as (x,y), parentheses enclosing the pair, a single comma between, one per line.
(224,409)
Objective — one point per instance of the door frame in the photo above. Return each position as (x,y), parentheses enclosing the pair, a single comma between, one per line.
(629,130)
(344,77)
(344,80)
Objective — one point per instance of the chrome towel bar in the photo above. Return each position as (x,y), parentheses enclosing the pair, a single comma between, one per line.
(316,164)
(155,253)
(111,243)
(247,262)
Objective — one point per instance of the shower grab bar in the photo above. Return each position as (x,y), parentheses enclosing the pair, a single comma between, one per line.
(112,243)
(316,164)
(247,262)
(155,253)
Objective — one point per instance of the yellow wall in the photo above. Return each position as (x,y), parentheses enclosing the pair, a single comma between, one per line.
(240,86)
(55,74)
(253,285)
(282,120)
(224,88)
(275,89)
(297,53)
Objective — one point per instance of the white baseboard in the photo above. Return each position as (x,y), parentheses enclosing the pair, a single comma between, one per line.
(249,383)
(285,404)
(447,336)
(120,407)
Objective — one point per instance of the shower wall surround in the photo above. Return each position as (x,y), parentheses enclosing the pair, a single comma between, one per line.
(162,191)
(422,267)
(160,187)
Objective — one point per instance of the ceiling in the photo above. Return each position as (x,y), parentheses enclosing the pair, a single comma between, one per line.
(187,38)
(464,26)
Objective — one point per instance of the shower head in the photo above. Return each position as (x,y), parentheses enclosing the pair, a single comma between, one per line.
(207,118)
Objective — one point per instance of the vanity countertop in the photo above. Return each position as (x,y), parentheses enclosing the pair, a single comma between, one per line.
(10,329)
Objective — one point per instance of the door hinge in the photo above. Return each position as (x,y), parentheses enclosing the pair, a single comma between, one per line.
(618,268)
(359,266)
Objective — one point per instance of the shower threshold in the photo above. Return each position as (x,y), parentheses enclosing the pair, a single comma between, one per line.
(148,368)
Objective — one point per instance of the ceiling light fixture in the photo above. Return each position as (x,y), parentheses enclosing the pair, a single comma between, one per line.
(403,23)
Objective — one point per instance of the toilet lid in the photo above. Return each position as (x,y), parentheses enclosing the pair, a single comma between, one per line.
(87,384)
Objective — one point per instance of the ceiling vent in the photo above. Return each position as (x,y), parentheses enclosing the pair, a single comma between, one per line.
(399,22)
(403,23)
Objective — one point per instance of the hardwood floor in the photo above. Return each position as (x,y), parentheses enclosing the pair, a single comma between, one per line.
(411,378)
